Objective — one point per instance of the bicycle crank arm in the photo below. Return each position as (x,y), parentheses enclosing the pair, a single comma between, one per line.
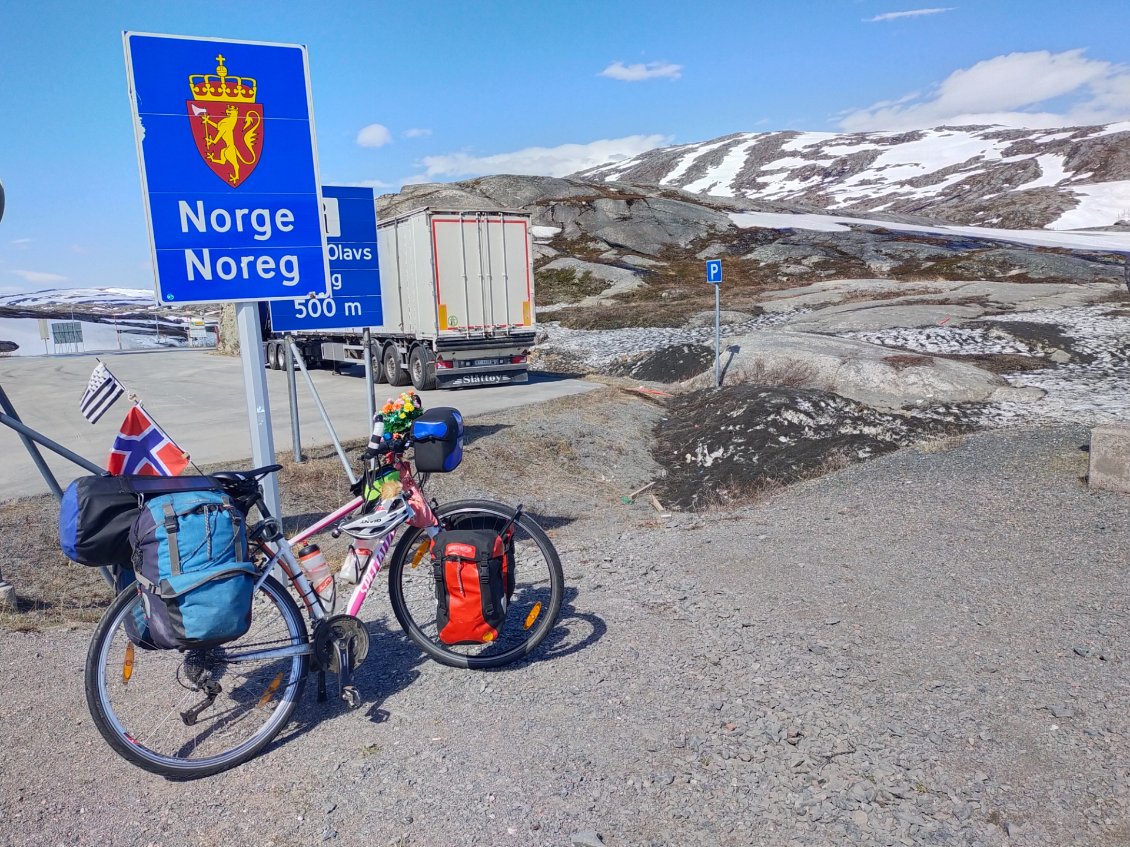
(347,692)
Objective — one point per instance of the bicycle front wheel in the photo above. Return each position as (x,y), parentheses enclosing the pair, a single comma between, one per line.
(193,713)
(534,605)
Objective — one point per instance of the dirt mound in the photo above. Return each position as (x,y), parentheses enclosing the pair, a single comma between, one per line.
(670,364)
(720,446)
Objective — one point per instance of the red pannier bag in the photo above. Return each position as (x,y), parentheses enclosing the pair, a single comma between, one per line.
(474,581)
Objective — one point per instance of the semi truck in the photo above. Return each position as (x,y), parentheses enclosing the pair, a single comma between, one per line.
(457,303)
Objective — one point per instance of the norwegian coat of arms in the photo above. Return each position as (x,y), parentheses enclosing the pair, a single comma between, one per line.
(227,123)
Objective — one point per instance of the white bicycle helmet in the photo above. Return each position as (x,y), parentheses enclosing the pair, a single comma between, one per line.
(388,515)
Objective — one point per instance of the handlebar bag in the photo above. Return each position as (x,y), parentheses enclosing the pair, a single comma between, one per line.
(96,514)
(438,438)
(471,571)
(192,565)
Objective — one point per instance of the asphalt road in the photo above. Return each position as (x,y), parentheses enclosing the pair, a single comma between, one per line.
(197,397)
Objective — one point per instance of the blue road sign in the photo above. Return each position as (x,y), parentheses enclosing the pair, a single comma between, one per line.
(355,280)
(229,174)
(714,271)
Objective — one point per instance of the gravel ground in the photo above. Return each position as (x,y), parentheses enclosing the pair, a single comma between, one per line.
(927,648)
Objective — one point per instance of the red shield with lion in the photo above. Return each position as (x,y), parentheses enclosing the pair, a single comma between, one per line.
(229,137)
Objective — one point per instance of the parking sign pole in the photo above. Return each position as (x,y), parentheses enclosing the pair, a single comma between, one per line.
(718,336)
(258,401)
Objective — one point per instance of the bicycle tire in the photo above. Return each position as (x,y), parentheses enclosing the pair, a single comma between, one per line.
(136,695)
(539,581)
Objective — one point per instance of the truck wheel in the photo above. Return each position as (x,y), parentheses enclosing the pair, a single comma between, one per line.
(394,373)
(379,370)
(422,368)
(273,355)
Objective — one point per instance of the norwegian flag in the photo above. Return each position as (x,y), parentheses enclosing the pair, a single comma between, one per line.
(143,448)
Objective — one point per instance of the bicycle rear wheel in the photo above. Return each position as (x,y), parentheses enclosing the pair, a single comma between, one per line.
(534,606)
(143,700)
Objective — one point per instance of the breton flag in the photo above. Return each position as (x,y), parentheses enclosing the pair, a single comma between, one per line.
(143,448)
(101,392)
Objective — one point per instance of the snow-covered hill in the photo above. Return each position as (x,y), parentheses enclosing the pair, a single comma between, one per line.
(84,298)
(1071,178)
(110,319)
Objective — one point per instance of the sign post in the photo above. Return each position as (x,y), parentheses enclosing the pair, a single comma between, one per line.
(714,277)
(229,176)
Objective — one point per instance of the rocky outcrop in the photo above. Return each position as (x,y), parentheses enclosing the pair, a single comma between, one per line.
(866,373)
(648,227)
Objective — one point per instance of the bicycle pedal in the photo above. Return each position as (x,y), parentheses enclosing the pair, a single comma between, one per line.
(350,696)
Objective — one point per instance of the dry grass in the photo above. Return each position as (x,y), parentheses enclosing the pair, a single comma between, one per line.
(784,373)
(1001,363)
(565,285)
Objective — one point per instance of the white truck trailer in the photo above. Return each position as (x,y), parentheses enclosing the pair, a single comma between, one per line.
(457,297)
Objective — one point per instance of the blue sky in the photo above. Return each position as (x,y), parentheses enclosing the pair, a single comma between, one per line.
(441,91)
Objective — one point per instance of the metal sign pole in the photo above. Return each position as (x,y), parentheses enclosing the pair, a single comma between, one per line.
(370,387)
(258,402)
(326,419)
(292,390)
(718,336)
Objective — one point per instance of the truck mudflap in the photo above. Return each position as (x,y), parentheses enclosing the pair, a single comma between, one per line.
(465,378)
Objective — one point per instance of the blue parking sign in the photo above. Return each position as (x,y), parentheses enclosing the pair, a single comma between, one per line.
(714,271)
(229,171)
(355,280)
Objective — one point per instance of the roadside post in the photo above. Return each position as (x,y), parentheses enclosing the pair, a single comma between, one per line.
(370,400)
(229,177)
(292,394)
(714,277)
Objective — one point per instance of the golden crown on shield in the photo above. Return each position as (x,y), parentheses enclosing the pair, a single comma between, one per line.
(221,87)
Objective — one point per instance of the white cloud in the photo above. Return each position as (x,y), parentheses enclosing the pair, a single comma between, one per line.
(637,73)
(913,13)
(374,135)
(542,161)
(20,242)
(1009,90)
(38,276)
(416,133)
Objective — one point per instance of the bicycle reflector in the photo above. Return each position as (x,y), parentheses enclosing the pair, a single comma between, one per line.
(127,664)
(271,689)
(420,551)
(533,615)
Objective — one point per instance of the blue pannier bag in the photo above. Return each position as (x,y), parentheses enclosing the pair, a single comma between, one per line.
(191,562)
(438,436)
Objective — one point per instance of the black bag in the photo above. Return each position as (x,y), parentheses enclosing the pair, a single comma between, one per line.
(438,436)
(97,512)
(472,585)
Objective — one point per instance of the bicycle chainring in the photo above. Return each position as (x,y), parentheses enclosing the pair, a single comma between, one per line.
(340,628)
